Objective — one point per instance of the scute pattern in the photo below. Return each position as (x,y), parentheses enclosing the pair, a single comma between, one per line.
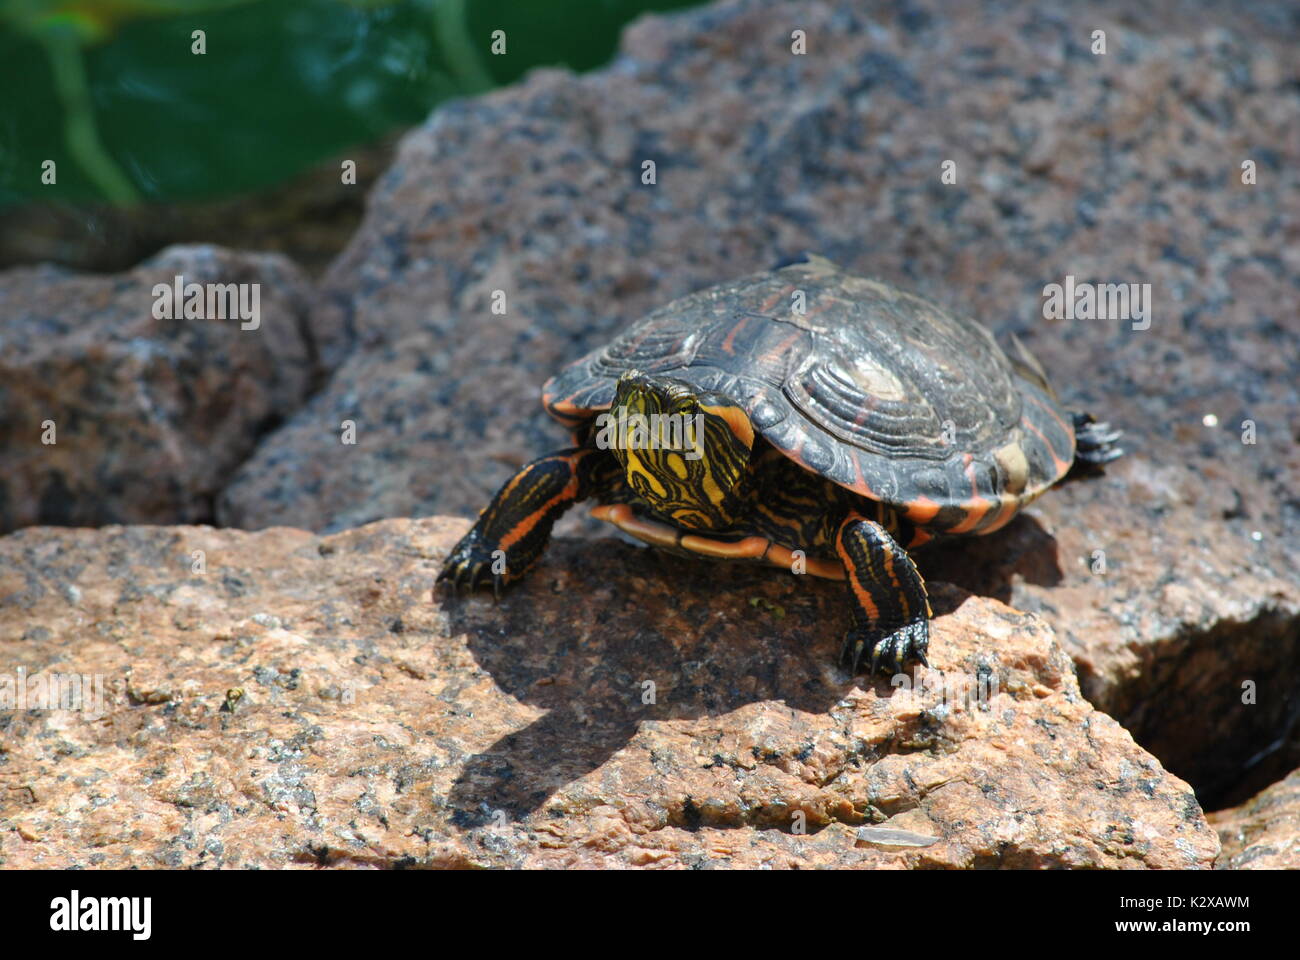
(826,391)
(878,390)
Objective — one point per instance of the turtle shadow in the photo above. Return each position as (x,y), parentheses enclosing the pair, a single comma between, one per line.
(607,637)
(989,566)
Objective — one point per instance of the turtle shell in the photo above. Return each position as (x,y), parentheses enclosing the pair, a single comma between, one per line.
(880,391)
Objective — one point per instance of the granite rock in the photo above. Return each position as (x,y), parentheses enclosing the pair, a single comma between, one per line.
(1264,832)
(282,699)
(148,417)
(1172,581)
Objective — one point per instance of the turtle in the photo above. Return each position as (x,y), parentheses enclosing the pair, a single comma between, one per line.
(804,417)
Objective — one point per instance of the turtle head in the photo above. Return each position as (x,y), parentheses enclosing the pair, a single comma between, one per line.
(684,451)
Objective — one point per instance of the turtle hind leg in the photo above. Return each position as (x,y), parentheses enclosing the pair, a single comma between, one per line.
(1095,443)
(891,612)
(511,533)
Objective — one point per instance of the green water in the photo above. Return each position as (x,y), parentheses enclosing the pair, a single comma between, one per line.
(113,92)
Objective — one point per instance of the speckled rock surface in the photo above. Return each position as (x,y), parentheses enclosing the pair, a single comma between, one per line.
(684,715)
(1123,168)
(1264,832)
(150,416)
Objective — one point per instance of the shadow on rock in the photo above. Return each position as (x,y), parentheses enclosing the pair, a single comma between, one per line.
(989,566)
(610,636)
(607,638)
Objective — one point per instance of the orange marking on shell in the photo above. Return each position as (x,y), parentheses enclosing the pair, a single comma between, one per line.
(919,537)
(1061,466)
(781,348)
(566,411)
(992,520)
(976,506)
(922,510)
(729,344)
(974,510)
(1003,516)
(776,298)
(1069,430)
(861,486)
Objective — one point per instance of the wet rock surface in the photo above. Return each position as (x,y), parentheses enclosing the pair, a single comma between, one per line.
(109,414)
(1172,581)
(682,715)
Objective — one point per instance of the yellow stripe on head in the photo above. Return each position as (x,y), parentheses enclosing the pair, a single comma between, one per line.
(685,454)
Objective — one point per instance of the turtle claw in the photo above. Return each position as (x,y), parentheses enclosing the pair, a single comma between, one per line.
(469,566)
(1096,442)
(892,650)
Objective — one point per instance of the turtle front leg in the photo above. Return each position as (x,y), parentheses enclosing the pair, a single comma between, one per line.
(512,531)
(891,613)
